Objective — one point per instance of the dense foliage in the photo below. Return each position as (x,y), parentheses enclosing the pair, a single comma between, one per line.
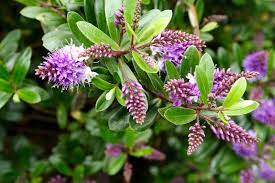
(137,91)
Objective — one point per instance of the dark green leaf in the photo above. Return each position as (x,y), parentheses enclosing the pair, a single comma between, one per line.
(119,97)
(180,115)
(4,98)
(171,70)
(199,9)
(21,67)
(202,84)
(95,35)
(89,10)
(105,100)
(241,108)
(100,15)
(72,19)
(156,82)
(60,165)
(119,120)
(102,84)
(206,63)
(78,173)
(236,92)
(9,44)
(190,59)
(3,71)
(28,95)
(163,110)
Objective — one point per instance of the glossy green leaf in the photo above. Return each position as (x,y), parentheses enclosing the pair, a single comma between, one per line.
(62,118)
(203,86)
(119,120)
(171,70)
(143,65)
(44,95)
(241,108)
(100,15)
(119,97)
(3,71)
(95,35)
(28,95)
(102,104)
(115,164)
(5,86)
(147,18)
(207,64)
(190,59)
(199,9)
(180,115)
(89,10)
(33,11)
(163,110)
(102,84)
(9,45)
(126,71)
(4,98)
(209,27)
(21,66)
(236,92)
(156,26)
(72,19)
(156,82)
(110,8)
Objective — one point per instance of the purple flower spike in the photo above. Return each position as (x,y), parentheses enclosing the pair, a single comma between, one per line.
(113,150)
(246,150)
(257,61)
(98,51)
(119,19)
(266,172)
(195,137)
(156,155)
(57,179)
(246,176)
(65,68)
(232,133)
(135,100)
(179,90)
(266,112)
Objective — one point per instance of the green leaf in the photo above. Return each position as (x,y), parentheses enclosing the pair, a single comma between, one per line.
(199,9)
(9,44)
(59,37)
(209,27)
(102,84)
(149,120)
(126,71)
(28,95)
(119,120)
(142,76)
(21,66)
(120,100)
(4,98)
(206,63)
(129,138)
(202,84)
(171,70)
(100,15)
(89,10)
(78,173)
(190,59)
(156,82)
(50,19)
(163,110)
(236,92)
(129,12)
(3,71)
(271,64)
(141,152)
(28,2)
(5,86)
(44,95)
(60,165)
(156,26)
(102,104)
(115,164)
(72,19)
(62,118)
(222,117)
(241,108)
(110,8)
(180,115)
(143,65)
(33,11)
(147,18)
(95,35)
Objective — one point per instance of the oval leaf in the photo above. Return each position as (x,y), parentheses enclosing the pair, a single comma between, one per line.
(28,95)
(242,107)
(180,115)
(102,104)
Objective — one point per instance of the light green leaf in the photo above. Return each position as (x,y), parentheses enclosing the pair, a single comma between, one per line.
(209,27)
(115,164)
(110,94)
(203,86)
(236,92)
(143,65)
(156,26)
(95,35)
(33,11)
(180,115)
(207,64)
(4,98)
(241,108)
(102,84)
(5,86)
(118,96)
(28,95)
(222,117)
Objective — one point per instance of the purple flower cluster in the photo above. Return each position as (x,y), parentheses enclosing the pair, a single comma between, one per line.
(257,61)
(232,132)
(266,172)
(195,137)
(119,19)
(113,150)
(65,68)
(247,176)
(180,90)
(98,51)
(172,44)
(57,179)
(135,100)
(266,112)
(246,150)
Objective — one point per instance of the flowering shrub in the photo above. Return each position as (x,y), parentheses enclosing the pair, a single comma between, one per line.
(129,91)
